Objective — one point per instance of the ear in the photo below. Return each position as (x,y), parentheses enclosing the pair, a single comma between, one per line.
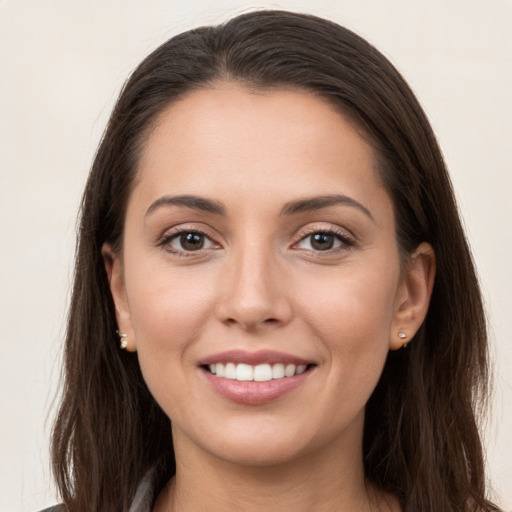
(114,269)
(413,297)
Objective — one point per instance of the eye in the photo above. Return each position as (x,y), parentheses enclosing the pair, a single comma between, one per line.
(324,241)
(188,241)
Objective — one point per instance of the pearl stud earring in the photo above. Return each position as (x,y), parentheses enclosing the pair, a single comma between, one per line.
(123,340)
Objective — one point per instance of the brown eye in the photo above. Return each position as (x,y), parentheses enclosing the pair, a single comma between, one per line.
(322,241)
(191,241)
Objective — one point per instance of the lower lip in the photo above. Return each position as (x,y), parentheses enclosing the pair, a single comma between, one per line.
(254,393)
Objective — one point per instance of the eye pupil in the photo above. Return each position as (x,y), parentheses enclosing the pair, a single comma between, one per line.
(192,241)
(322,241)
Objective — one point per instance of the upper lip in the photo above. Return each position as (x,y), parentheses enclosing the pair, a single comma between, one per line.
(253,358)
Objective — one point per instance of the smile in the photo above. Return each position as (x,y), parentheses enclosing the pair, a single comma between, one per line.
(258,373)
(255,378)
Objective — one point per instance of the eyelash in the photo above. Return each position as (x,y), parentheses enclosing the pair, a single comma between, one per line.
(167,239)
(346,241)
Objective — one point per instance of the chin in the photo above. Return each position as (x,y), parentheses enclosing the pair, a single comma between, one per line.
(264,442)
(260,452)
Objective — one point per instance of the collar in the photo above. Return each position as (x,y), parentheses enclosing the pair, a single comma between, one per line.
(143,500)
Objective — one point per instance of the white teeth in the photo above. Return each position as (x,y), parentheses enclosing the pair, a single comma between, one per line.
(258,373)
(301,369)
(289,370)
(244,372)
(262,372)
(230,371)
(278,371)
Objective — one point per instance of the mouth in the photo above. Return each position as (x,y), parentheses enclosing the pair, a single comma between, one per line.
(243,372)
(255,378)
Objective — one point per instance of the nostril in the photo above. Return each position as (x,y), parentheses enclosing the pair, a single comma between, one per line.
(250,323)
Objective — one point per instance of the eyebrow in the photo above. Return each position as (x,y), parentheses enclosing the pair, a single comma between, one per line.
(291,208)
(189,201)
(319,202)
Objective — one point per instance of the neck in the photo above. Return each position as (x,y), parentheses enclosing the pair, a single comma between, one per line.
(327,480)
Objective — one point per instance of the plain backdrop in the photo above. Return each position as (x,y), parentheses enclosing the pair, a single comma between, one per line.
(62,64)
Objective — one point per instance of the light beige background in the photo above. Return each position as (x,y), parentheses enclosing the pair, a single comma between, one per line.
(62,64)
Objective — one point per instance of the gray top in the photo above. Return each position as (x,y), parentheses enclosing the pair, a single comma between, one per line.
(144,496)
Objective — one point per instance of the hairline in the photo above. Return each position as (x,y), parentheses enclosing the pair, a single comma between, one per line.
(226,79)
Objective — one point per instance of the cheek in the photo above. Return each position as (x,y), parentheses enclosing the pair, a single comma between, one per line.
(168,316)
(168,305)
(168,310)
(352,314)
(351,301)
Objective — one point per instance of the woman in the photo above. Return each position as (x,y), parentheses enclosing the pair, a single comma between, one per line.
(274,304)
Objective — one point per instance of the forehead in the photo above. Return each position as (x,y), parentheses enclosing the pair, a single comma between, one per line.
(219,140)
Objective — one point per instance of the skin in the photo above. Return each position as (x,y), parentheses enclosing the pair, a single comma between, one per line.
(259,283)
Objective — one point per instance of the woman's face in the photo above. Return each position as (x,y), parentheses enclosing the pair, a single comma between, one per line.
(260,279)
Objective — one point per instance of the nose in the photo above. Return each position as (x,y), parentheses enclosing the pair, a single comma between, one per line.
(254,292)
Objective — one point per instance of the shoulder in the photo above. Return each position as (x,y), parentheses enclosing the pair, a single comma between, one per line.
(55,508)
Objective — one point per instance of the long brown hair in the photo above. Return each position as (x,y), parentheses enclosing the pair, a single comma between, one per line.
(421,440)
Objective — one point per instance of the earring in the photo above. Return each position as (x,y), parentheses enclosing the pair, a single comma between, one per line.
(403,337)
(123,340)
